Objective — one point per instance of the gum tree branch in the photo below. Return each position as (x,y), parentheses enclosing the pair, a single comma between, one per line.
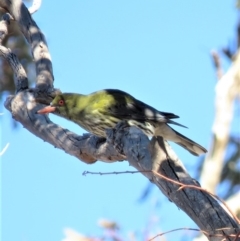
(155,157)
(36,39)
(227,89)
(21,80)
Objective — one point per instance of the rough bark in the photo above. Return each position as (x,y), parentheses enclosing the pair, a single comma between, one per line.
(36,39)
(152,158)
(156,155)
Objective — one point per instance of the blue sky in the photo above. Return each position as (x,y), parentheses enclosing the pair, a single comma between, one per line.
(158,51)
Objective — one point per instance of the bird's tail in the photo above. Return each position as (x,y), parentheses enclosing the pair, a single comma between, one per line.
(189,145)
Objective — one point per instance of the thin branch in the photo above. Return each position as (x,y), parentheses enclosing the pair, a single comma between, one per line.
(182,186)
(85,173)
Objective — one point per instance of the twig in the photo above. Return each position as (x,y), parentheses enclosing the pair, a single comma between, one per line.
(110,173)
(182,185)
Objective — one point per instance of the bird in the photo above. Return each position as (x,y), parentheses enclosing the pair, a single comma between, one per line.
(103,109)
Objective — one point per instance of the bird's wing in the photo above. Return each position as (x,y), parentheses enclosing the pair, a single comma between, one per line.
(143,113)
(126,107)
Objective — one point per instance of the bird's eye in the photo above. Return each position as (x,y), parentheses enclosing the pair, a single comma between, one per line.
(61,102)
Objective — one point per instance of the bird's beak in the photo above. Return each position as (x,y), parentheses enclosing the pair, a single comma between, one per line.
(47,109)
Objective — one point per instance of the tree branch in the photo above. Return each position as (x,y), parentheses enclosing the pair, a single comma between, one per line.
(21,80)
(123,142)
(88,148)
(37,41)
(155,158)
(227,89)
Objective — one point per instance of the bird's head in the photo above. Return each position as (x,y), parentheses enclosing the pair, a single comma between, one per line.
(60,105)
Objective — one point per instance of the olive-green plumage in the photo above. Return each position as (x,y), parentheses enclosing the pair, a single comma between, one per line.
(104,109)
